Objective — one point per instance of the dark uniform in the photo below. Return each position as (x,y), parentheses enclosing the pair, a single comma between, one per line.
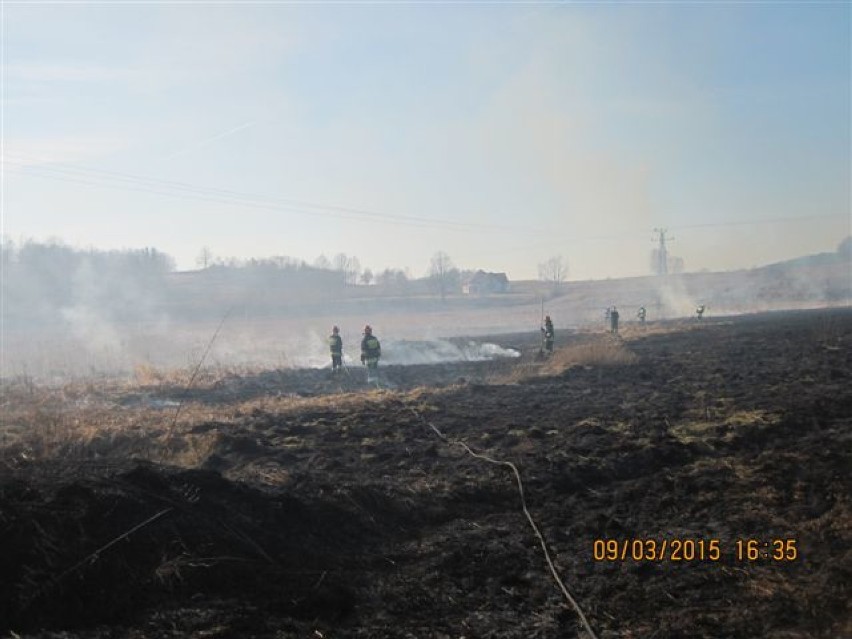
(371,351)
(700,311)
(613,320)
(547,333)
(641,314)
(335,347)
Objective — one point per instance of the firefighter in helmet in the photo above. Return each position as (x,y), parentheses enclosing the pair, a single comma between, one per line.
(371,351)
(613,320)
(547,334)
(642,314)
(335,347)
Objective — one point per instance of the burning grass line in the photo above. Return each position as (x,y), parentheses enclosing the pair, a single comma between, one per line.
(536,530)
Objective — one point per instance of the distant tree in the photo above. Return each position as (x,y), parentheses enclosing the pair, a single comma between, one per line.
(445,277)
(7,250)
(366,277)
(553,271)
(348,266)
(205,257)
(322,262)
(340,264)
(384,279)
(391,279)
(353,270)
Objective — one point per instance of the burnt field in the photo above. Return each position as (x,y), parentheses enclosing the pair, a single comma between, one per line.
(288,504)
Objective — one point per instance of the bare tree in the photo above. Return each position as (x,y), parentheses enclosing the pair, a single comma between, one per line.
(349,268)
(340,262)
(353,270)
(367,277)
(553,271)
(444,275)
(205,257)
(322,262)
(395,280)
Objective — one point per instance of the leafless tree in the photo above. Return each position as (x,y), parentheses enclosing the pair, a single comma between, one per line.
(367,277)
(349,268)
(322,262)
(444,275)
(553,271)
(353,271)
(395,280)
(205,257)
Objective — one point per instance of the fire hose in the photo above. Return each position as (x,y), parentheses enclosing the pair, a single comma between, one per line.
(542,542)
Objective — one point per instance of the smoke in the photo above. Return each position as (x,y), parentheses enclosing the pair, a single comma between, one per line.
(89,318)
(674,299)
(442,351)
(309,349)
(69,312)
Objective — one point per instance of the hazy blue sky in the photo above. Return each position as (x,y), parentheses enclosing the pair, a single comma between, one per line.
(502,134)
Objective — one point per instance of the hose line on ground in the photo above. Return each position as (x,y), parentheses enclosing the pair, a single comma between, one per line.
(541,541)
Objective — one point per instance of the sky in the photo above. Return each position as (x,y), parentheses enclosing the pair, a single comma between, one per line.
(501,134)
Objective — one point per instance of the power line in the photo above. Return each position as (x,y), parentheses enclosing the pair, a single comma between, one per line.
(171,188)
(125,181)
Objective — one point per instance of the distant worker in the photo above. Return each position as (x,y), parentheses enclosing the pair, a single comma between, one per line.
(613,320)
(335,346)
(641,314)
(371,351)
(547,334)
(700,311)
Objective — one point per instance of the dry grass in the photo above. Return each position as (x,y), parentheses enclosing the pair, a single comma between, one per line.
(148,376)
(88,420)
(94,419)
(603,351)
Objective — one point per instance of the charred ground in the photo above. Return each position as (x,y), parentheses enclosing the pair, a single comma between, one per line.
(286,504)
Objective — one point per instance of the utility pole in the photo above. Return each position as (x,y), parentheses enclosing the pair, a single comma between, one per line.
(662,252)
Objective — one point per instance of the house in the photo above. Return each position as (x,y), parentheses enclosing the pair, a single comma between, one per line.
(482,283)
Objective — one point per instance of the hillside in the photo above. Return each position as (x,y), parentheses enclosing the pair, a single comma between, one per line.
(102,324)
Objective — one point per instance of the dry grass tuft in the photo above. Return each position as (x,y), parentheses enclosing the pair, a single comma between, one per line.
(604,351)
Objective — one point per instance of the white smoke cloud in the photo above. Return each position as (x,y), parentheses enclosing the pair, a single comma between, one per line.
(442,351)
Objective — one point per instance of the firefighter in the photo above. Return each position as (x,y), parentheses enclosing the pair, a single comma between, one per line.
(641,314)
(335,346)
(371,351)
(547,334)
(700,311)
(613,320)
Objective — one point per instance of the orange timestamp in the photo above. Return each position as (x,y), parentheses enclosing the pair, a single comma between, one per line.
(678,550)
